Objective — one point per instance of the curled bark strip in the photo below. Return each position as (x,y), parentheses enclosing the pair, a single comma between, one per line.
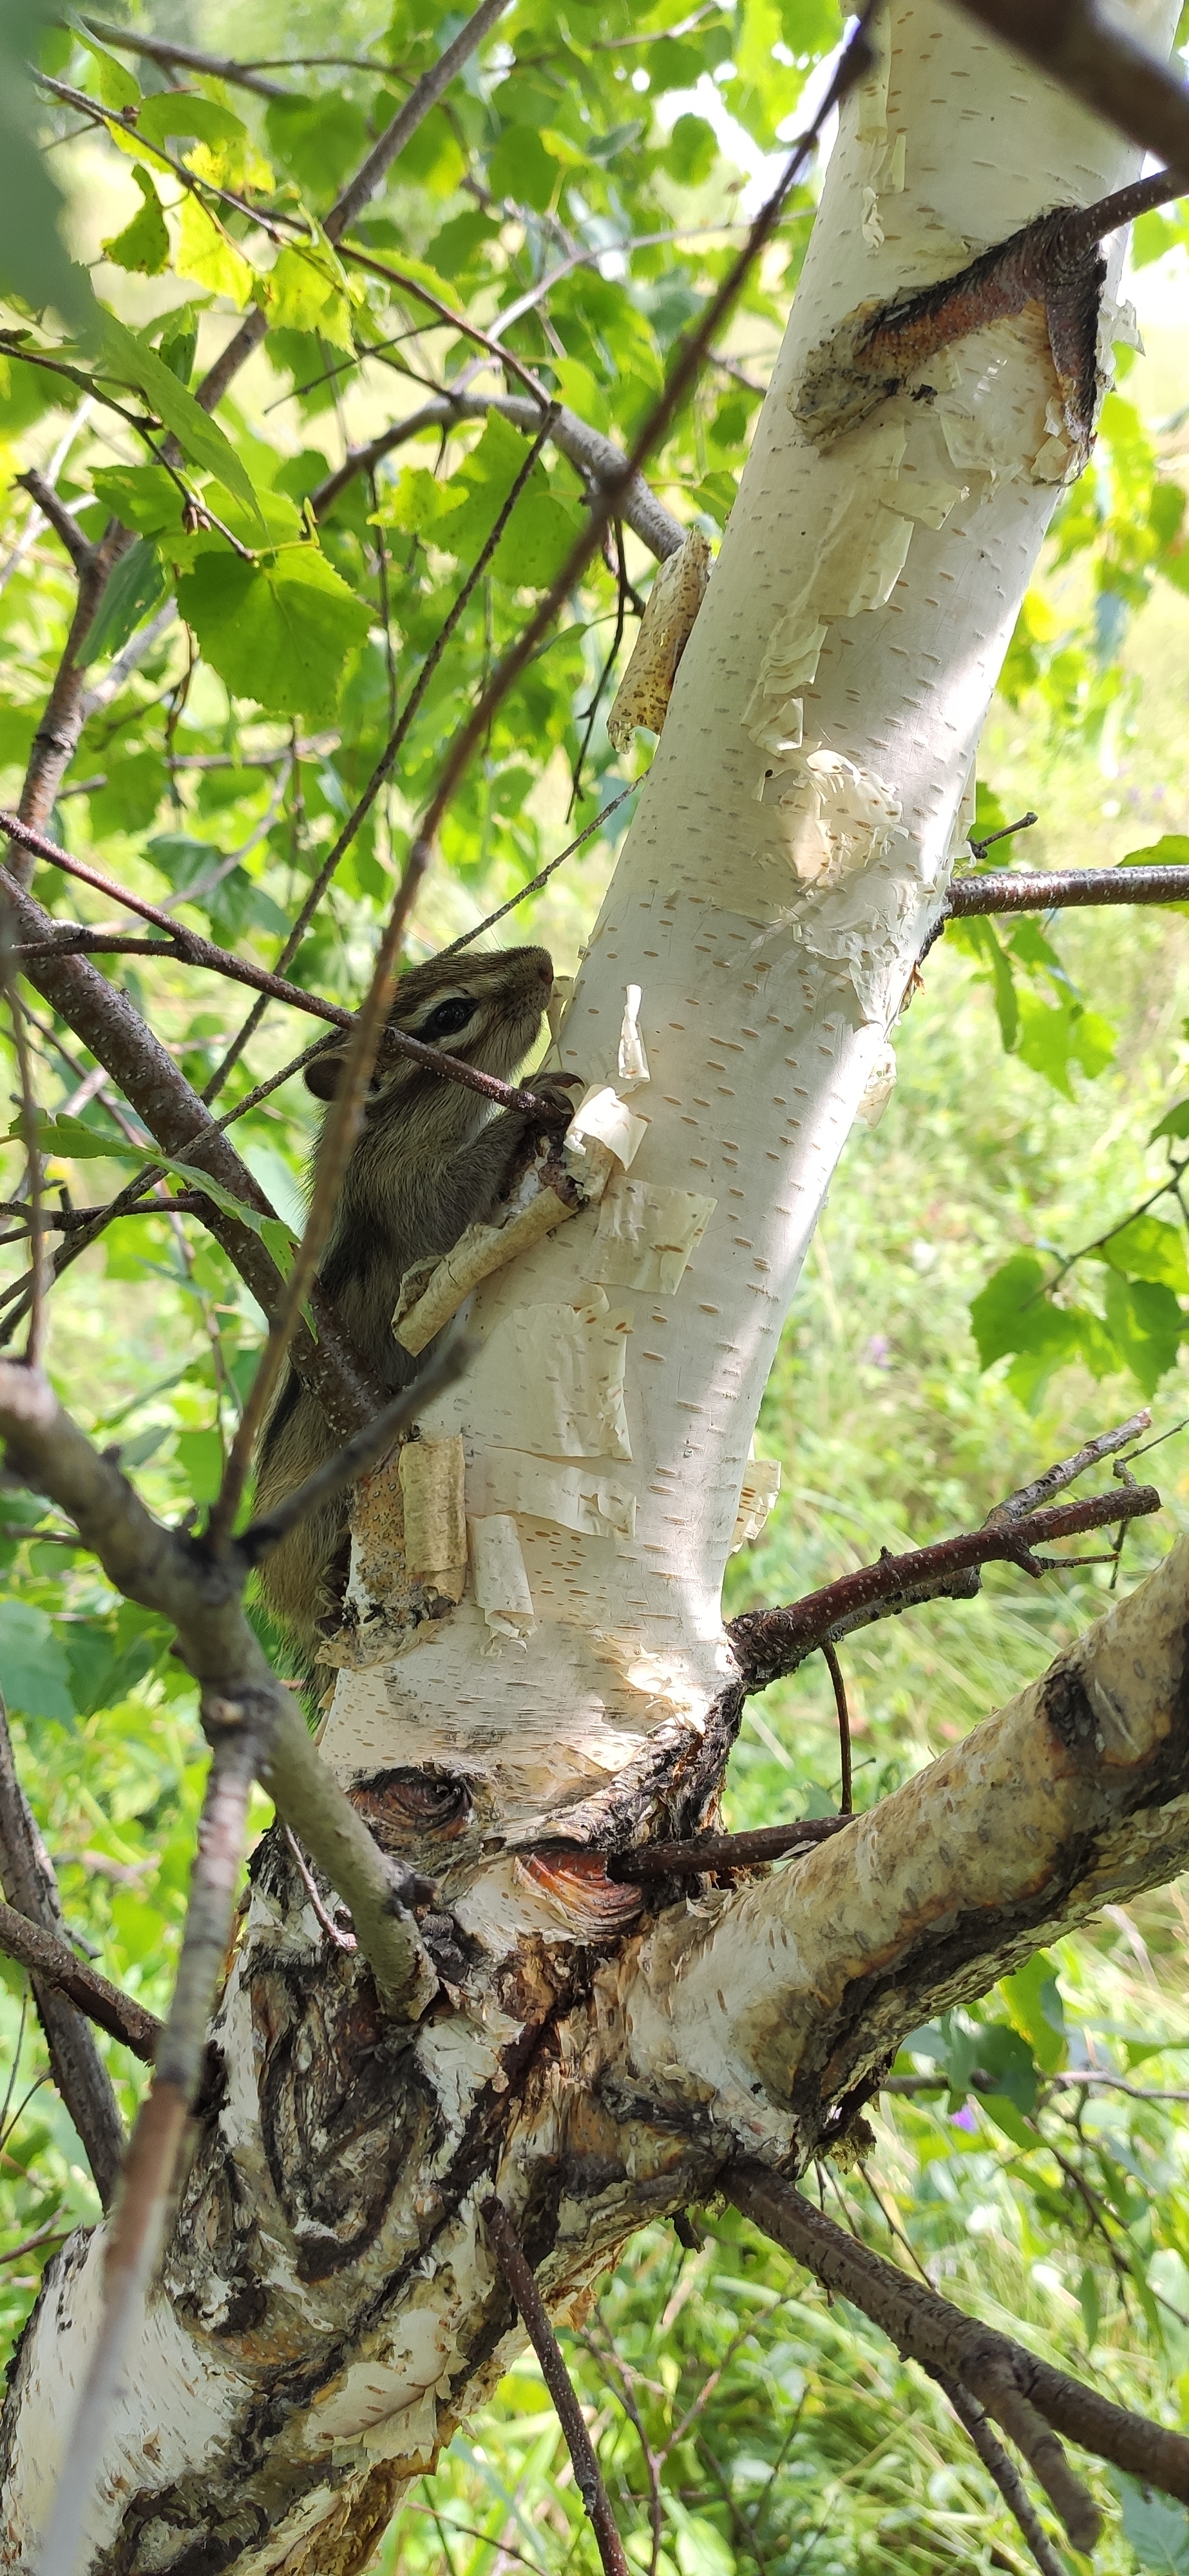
(927,2329)
(82,2079)
(587,2474)
(52,1962)
(770,1643)
(1002,2468)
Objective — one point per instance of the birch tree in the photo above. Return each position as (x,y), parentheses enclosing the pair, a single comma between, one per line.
(551,2019)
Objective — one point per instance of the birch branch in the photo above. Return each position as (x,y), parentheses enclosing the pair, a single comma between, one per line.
(770,1643)
(1060,889)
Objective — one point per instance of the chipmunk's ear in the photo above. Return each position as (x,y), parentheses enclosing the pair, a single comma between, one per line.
(322,1076)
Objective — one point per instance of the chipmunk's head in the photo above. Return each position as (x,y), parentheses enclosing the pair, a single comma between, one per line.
(487,1009)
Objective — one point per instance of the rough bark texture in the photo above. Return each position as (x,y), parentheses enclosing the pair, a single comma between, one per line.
(331,2307)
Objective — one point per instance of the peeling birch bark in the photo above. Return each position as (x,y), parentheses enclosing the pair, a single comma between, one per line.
(330,2307)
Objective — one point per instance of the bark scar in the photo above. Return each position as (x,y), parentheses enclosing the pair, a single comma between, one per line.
(1055,262)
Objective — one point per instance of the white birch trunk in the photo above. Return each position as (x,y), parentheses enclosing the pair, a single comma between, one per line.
(770,904)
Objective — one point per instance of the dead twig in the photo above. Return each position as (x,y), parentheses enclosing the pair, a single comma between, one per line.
(588,2477)
(834,1668)
(1002,2469)
(53,1962)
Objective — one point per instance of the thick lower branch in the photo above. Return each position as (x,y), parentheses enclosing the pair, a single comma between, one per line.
(927,2329)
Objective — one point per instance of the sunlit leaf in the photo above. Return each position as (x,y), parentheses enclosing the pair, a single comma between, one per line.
(278,632)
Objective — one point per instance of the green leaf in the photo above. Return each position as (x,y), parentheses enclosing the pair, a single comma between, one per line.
(142,496)
(34,1675)
(184,112)
(1175,1122)
(1147,1323)
(137,586)
(201,1457)
(1033,1999)
(305,291)
(278,632)
(413,502)
(136,783)
(206,253)
(68,1139)
(134,363)
(1144,1248)
(691,152)
(1157,2529)
(1009,1313)
(522,169)
(144,243)
(319,139)
(115,83)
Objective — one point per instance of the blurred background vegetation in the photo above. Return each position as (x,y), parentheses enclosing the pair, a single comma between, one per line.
(1036,2159)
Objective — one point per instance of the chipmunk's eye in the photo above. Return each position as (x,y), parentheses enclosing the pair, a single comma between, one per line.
(448,1018)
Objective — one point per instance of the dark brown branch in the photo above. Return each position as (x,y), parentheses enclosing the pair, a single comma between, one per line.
(56,738)
(1003,2470)
(62,521)
(1119,79)
(82,2079)
(770,1643)
(587,2474)
(927,2329)
(52,1962)
(717,1852)
(356,1456)
(597,459)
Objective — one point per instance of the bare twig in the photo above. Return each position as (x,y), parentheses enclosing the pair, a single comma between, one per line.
(35,1346)
(588,2478)
(62,521)
(82,2079)
(716,1852)
(1007,2379)
(1030,1498)
(52,1961)
(334,1931)
(1004,2472)
(535,883)
(1060,889)
(345,1117)
(770,1643)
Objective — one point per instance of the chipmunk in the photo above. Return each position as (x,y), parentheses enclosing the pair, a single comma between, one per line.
(430,1160)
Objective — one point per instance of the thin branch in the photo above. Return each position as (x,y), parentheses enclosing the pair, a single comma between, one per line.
(1002,2469)
(138,2228)
(356,1456)
(596,457)
(334,1931)
(54,1963)
(588,2478)
(155,50)
(422,97)
(535,883)
(78,2071)
(609,502)
(166,1570)
(1080,2078)
(1031,1497)
(1060,889)
(771,1643)
(834,1668)
(345,1118)
(1007,2379)
(35,1345)
(62,521)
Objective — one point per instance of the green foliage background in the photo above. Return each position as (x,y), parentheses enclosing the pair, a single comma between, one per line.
(743,2422)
